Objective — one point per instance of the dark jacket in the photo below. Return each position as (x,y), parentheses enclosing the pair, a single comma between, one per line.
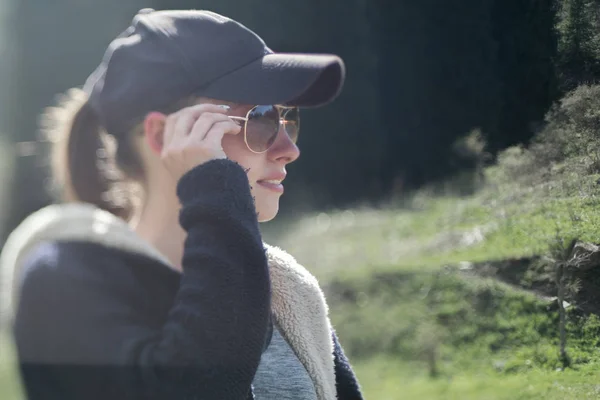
(99,314)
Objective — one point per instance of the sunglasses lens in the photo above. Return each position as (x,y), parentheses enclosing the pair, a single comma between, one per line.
(291,120)
(262,128)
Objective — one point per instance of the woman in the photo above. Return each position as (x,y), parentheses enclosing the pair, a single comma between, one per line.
(153,281)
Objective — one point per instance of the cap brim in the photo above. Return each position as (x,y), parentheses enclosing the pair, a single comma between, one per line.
(303,80)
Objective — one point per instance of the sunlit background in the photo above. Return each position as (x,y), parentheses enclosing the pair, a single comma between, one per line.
(447,201)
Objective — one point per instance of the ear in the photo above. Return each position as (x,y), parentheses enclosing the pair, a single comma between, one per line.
(154,128)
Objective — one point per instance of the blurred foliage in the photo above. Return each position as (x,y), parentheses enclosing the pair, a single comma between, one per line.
(478,328)
(579,45)
(567,145)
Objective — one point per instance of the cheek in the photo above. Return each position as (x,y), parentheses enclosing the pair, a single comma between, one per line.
(236,150)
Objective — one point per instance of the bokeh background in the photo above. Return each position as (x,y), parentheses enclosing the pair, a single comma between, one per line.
(460,158)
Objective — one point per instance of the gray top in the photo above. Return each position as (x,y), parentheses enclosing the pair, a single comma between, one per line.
(280,375)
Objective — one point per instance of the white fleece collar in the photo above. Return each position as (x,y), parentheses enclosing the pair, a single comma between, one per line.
(298,304)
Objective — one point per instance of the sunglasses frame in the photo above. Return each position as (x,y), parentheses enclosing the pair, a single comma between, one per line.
(282,113)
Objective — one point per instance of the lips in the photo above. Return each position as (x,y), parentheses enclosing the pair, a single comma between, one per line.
(273,183)
(273,179)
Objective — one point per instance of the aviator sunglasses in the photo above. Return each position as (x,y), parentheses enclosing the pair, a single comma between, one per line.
(261,126)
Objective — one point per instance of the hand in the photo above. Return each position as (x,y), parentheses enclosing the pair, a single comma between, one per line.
(193,136)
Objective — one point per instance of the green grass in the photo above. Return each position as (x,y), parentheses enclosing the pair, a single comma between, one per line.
(471,324)
(493,341)
(10,388)
(388,379)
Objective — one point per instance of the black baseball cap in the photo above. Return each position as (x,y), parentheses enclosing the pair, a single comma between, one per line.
(166,56)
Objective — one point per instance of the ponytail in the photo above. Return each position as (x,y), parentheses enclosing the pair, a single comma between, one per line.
(80,166)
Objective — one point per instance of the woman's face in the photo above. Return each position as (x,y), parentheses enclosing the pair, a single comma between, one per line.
(265,170)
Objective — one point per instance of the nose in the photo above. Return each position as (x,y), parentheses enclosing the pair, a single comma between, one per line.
(284,149)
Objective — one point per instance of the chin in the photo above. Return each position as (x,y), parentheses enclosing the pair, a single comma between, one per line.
(266,214)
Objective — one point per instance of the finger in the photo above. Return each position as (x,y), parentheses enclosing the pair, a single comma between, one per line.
(204,123)
(168,130)
(214,136)
(197,110)
(191,113)
(183,126)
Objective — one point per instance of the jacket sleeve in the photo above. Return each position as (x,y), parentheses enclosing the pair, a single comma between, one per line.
(347,385)
(211,343)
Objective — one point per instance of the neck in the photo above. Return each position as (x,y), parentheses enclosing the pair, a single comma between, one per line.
(158,223)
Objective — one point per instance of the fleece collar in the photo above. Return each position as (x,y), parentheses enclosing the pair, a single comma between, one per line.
(298,304)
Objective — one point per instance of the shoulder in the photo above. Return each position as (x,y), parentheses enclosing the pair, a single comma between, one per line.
(68,260)
(59,260)
(69,290)
(64,271)
(50,270)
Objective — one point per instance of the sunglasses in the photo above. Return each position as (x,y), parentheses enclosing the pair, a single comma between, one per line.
(261,126)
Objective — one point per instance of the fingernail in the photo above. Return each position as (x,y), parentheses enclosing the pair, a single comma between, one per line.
(225,107)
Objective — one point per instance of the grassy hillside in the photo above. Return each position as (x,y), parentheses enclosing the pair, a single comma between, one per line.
(417,326)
